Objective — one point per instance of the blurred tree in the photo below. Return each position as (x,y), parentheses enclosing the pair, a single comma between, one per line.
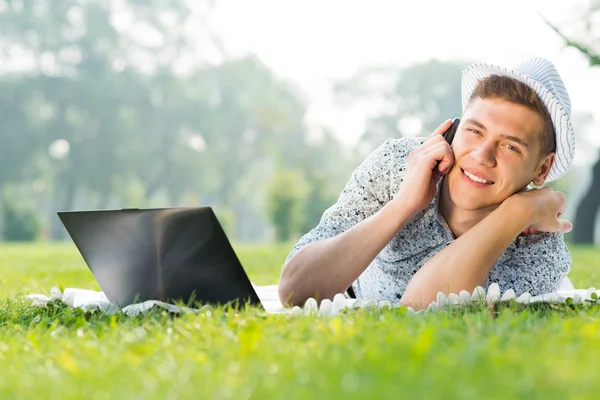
(20,224)
(252,122)
(252,115)
(410,101)
(327,166)
(321,169)
(114,103)
(79,73)
(583,34)
(286,193)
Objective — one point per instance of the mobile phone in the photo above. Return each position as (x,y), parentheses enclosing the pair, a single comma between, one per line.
(449,134)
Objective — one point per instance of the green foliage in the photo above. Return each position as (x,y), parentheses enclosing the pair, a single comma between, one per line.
(320,197)
(59,353)
(226,218)
(141,131)
(286,194)
(579,30)
(296,201)
(425,94)
(20,224)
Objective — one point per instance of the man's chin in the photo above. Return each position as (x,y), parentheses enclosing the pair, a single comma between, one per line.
(473,203)
(479,207)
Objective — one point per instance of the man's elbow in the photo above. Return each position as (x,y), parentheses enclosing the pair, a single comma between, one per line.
(407,301)
(288,288)
(417,299)
(288,294)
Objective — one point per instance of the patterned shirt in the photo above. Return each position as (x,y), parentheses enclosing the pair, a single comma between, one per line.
(532,263)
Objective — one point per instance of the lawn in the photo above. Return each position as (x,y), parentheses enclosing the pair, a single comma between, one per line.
(57,353)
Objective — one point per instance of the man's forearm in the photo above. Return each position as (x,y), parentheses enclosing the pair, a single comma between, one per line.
(467,261)
(327,267)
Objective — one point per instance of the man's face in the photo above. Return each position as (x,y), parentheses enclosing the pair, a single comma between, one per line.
(497,151)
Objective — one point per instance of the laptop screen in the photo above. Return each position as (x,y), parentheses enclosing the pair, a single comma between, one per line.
(169,254)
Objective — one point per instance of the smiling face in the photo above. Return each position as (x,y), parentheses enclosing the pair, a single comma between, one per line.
(499,149)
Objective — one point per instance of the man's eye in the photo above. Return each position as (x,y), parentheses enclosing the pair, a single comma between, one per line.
(475,131)
(512,148)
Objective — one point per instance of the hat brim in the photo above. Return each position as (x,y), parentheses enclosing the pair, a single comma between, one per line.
(565,135)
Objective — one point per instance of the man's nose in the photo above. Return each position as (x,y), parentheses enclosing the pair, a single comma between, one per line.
(485,153)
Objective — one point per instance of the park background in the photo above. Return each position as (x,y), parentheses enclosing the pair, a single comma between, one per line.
(259,109)
(262,109)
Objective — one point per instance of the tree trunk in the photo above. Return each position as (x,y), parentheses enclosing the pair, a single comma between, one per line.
(585,217)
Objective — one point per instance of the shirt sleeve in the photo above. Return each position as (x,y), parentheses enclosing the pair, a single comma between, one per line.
(536,264)
(367,191)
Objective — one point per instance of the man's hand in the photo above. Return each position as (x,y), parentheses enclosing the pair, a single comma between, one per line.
(545,207)
(425,165)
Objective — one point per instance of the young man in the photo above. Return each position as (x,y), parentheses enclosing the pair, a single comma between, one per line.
(420,216)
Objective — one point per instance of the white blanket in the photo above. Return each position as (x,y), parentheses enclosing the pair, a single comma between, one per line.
(92,300)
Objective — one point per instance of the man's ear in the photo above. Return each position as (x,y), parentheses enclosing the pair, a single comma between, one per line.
(543,170)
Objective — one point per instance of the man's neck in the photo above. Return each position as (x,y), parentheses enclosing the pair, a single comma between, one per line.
(458,220)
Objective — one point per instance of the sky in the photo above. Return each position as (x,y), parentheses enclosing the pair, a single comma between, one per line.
(314,42)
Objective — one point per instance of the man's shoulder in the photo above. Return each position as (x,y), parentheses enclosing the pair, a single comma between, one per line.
(395,151)
(404,145)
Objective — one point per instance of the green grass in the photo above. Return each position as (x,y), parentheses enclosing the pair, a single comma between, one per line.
(58,353)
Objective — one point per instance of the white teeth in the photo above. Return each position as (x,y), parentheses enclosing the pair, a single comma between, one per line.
(476,179)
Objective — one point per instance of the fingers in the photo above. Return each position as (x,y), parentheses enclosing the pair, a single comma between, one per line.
(440,152)
(437,157)
(447,161)
(442,128)
(564,226)
(561,203)
(433,145)
(531,231)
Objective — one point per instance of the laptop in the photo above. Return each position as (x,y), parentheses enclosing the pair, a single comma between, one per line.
(167,254)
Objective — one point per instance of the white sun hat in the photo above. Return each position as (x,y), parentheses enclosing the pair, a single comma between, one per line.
(541,75)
